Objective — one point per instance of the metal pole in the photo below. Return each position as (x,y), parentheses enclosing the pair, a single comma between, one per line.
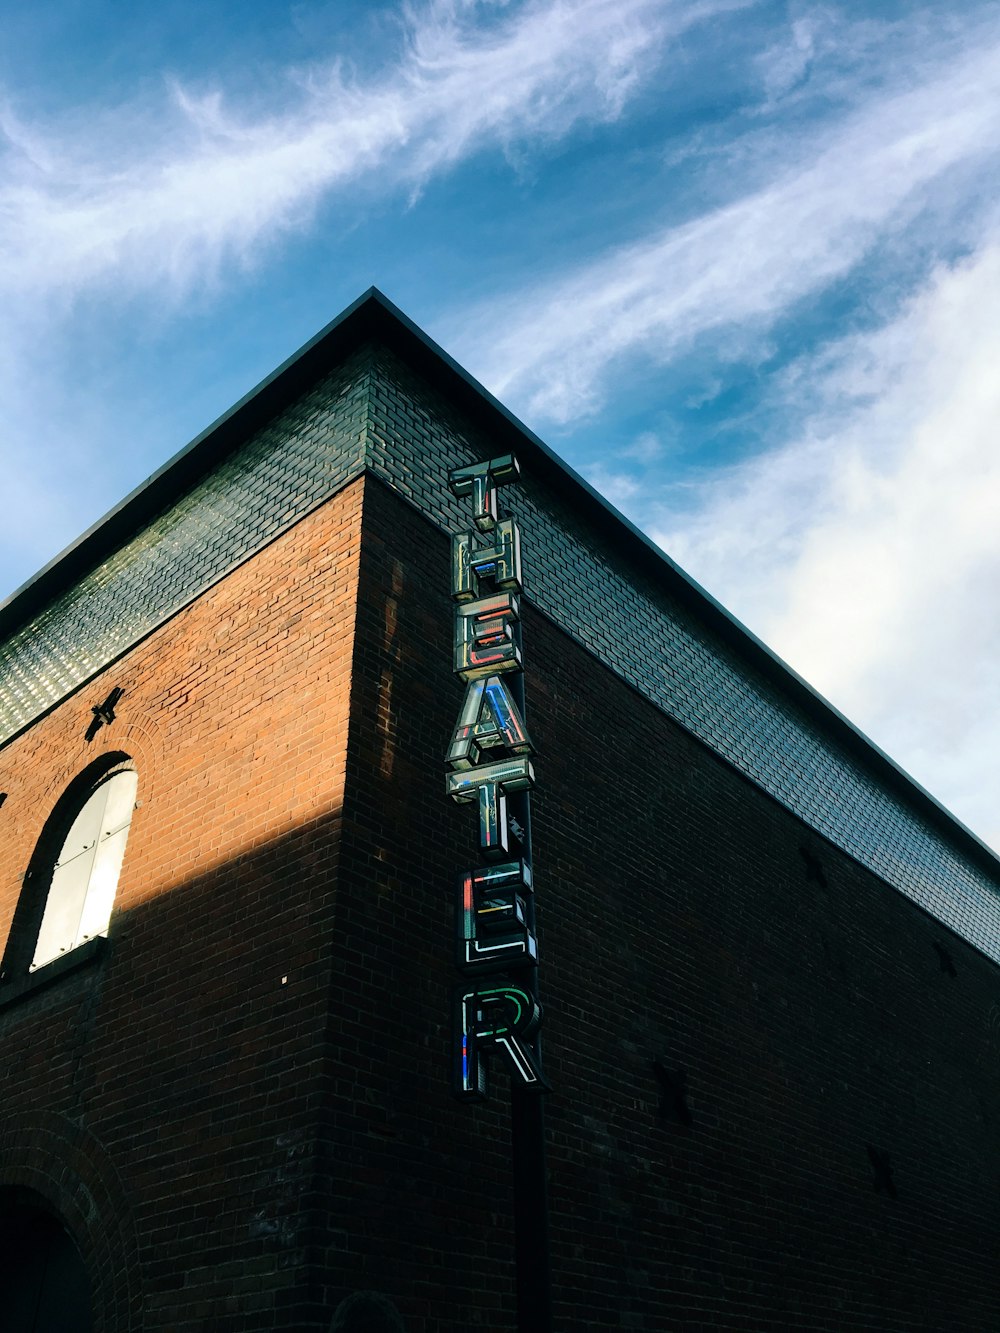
(527,1136)
(531,1230)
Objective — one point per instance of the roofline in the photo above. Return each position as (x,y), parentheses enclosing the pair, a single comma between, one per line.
(371,316)
(183,469)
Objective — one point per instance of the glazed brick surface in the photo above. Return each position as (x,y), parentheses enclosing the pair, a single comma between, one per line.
(273,480)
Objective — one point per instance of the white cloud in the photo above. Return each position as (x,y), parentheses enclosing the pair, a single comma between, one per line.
(645,448)
(619,487)
(837,193)
(155,198)
(866,549)
(162,196)
(864,541)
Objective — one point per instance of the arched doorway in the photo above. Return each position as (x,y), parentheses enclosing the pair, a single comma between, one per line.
(44,1287)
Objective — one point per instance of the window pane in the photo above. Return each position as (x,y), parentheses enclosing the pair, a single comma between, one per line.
(121,802)
(109,855)
(86,875)
(101,890)
(86,829)
(63,909)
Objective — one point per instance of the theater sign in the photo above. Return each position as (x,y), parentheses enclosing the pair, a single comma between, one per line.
(490,768)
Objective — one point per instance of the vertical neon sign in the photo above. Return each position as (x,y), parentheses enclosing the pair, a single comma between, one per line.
(489,762)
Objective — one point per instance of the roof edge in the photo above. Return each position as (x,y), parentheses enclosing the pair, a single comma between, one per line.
(179,472)
(372,315)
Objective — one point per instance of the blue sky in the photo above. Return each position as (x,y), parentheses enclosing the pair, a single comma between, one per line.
(739,263)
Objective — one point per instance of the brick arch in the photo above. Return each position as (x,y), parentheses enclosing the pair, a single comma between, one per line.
(143,740)
(65,1166)
(32,802)
(140,739)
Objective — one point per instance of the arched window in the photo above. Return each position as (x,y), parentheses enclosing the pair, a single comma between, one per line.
(72,877)
(85,874)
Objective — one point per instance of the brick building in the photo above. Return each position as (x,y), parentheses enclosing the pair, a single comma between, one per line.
(767,959)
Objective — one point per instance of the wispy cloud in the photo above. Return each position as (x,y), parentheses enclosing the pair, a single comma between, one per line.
(860,540)
(177,191)
(836,192)
(865,547)
(163,194)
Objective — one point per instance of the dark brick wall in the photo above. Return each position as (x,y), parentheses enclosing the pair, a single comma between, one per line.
(805,1006)
(737,1012)
(418,1191)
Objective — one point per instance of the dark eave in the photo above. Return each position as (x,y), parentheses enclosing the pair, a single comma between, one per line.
(372,317)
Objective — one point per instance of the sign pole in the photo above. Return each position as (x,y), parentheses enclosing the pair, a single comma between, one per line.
(489,762)
(530,1174)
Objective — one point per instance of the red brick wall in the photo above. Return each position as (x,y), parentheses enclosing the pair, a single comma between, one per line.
(193,1053)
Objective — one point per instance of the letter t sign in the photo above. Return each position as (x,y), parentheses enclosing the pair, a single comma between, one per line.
(481,481)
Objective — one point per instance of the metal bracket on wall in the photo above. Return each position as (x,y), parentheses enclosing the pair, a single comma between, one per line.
(944,957)
(673,1092)
(104,712)
(814,869)
(881,1170)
